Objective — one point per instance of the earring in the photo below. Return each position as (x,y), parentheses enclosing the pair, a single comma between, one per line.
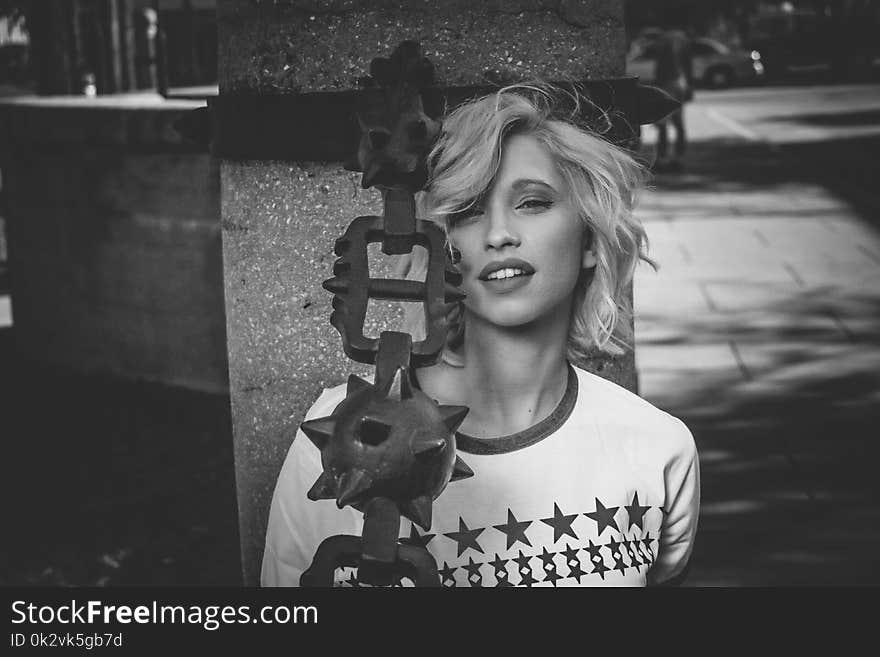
(454,254)
(589,259)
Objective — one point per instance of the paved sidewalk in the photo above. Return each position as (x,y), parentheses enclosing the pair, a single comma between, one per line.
(762,331)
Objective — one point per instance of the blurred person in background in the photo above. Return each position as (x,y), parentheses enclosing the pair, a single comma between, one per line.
(674,74)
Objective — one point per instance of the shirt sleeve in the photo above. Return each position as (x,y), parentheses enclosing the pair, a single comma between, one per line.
(297,525)
(681,510)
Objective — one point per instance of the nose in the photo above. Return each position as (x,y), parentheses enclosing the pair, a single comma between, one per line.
(499,230)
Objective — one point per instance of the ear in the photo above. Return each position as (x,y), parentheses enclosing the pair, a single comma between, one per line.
(589,259)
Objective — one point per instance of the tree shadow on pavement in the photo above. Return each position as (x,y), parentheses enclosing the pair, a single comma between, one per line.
(788,445)
(857,118)
(789,452)
(843,166)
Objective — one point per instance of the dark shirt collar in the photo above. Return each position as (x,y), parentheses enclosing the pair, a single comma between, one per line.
(526,437)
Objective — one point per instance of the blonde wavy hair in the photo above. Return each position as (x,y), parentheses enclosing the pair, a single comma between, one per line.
(602,179)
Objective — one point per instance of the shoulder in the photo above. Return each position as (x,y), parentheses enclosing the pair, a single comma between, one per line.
(302,452)
(326,402)
(302,463)
(615,398)
(330,398)
(614,407)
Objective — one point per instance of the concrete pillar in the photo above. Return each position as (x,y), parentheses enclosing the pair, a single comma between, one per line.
(280,219)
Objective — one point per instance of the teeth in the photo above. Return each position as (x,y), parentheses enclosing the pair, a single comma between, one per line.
(505,273)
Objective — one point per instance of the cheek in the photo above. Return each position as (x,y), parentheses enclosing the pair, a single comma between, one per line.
(465,265)
(463,243)
(568,245)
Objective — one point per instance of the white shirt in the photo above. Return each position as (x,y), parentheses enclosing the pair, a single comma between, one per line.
(603,492)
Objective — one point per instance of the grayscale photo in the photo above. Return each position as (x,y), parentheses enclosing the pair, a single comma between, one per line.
(369,294)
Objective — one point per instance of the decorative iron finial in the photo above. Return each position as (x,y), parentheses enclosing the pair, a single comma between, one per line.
(396,132)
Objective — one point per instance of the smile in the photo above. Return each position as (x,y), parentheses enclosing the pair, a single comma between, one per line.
(507,280)
(503,269)
(509,272)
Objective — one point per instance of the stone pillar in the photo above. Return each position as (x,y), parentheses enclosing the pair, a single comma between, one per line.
(280,219)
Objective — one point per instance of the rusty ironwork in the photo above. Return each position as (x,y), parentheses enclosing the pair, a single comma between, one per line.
(388,449)
(322,126)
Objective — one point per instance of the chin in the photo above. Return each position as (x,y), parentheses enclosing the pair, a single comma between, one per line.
(512,315)
(514,322)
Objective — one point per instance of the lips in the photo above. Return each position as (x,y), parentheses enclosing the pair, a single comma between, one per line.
(512,265)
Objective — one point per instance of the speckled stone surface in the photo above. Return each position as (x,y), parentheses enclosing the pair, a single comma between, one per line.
(280,219)
(320,46)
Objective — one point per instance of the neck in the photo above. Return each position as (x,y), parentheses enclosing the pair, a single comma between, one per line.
(513,377)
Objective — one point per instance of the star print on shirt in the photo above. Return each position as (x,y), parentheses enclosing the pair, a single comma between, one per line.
(447,575)
(561,523)
(466,538)
(550,574)
(573,561)
(617,555)
(634,560)
(597,559)
(353,580)
(515,531)
(643,555)
(501,575)
(415,539)
(603,516)
(636,512)
(474,576)
(646,542)
(525,570)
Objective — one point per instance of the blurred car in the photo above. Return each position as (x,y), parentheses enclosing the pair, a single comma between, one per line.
(801,41)
(715,65)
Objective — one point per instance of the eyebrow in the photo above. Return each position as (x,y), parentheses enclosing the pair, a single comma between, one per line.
(522,183)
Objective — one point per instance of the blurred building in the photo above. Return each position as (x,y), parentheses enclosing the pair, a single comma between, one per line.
(190,29)
(110,46)
(14,44)
(111,216)
(12,30)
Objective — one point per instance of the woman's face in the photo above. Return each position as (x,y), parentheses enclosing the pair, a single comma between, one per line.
(522,246)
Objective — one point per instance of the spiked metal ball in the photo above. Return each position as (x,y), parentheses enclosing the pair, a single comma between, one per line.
(388,441)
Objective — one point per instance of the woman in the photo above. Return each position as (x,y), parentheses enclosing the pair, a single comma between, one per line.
(578,482)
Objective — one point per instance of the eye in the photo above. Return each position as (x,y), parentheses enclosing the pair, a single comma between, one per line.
(534,204)
(463,216)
